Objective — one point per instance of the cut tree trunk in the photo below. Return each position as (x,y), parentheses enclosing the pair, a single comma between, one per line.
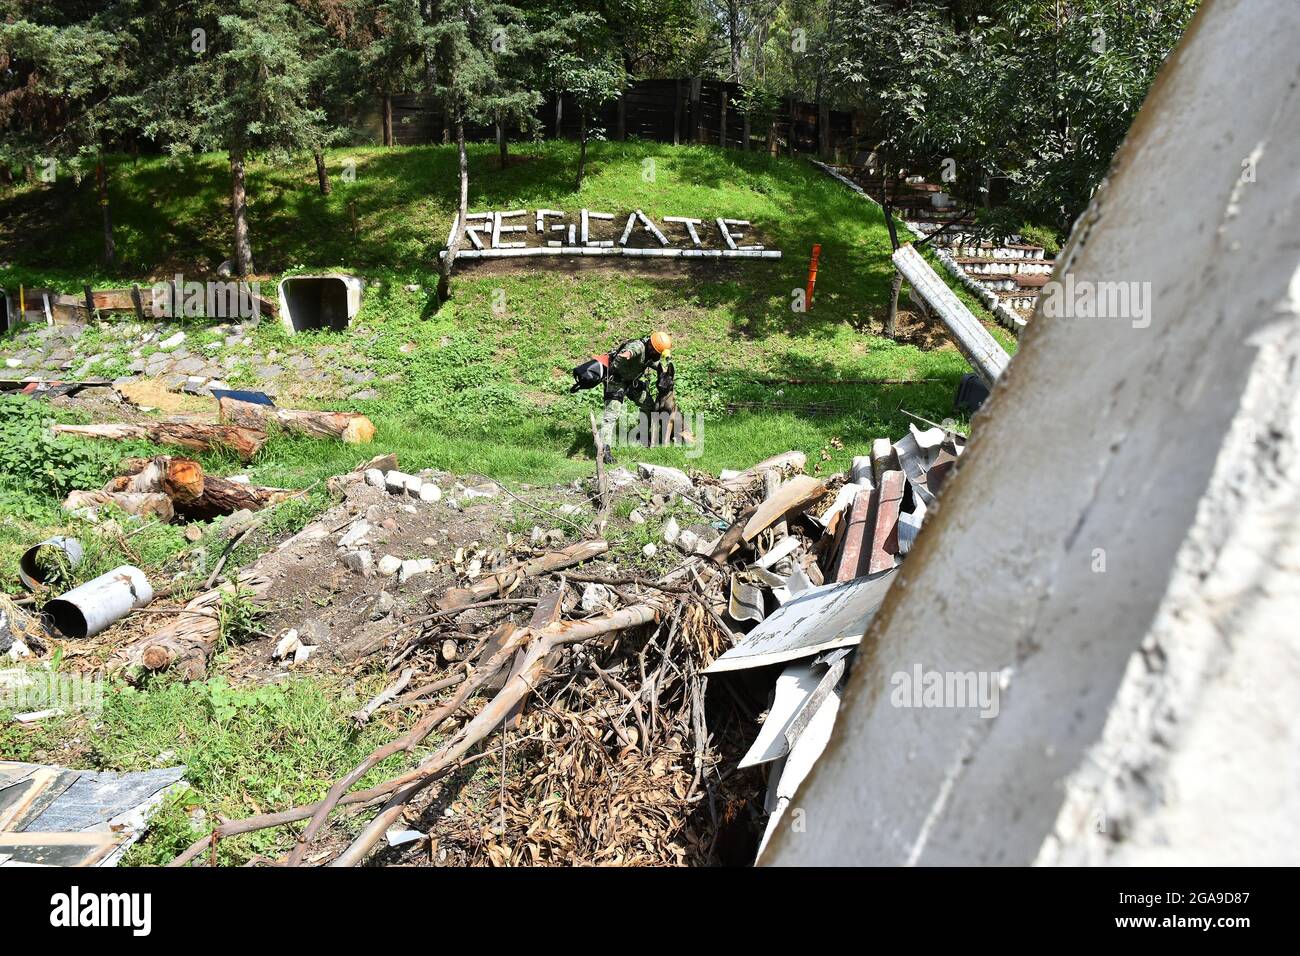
(245,442)
(187,642)
(239,208)
(352,428)
(196,496)
(322,173)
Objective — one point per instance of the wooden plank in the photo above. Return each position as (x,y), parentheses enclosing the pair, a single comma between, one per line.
(793,496)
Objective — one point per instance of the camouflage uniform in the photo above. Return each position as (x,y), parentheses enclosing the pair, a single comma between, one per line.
(625,368)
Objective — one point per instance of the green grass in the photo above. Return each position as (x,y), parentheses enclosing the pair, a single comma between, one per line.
(473,387)
(245,750)
(468,387)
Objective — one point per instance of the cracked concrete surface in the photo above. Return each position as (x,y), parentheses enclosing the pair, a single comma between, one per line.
(1122,531)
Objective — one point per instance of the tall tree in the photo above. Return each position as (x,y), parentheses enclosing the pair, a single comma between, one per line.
(60,83)
(458,38)
(391,41)
(243,86)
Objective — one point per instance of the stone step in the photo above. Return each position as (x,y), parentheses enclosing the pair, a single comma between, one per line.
(977,266)
(1012,283)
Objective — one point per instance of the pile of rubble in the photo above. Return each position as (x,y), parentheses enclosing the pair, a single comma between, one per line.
(620,712)
(629,718)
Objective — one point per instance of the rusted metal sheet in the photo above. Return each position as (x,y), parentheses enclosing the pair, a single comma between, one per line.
(884,540)
(857,536)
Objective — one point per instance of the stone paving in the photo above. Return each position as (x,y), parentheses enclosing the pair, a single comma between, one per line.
(193,358)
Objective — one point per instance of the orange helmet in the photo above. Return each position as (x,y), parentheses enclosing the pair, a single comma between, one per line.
(661,342)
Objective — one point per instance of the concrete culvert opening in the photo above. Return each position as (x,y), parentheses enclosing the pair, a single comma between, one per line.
(319,302)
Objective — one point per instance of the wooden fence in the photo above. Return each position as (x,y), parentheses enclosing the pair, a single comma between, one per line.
(666,111)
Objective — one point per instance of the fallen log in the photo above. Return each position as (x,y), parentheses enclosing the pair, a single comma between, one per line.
(500,580)
(491,717)
(197,436)
(155,505)
(352,428)
(180,479)
(187,643)
(197,496)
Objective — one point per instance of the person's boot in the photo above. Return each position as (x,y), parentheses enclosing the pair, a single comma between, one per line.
(608,456)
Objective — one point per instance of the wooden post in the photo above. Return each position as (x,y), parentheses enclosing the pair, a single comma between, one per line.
(677,112)
(722,123)
(138,301)
(696,119)
(90,302)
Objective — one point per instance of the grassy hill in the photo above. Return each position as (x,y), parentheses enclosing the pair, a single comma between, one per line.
(481,384)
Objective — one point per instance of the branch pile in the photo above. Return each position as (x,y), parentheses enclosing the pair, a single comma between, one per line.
(593,712)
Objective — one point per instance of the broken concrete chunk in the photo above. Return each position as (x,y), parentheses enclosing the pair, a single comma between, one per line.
(359,562)
(636,517)
(396,481)
(429,492)
(410,569)
(649,550)
(664,478)
(384,605)
(374,478)
(356,534)
(595,596)
(671,530)
(389,565)
(688,541)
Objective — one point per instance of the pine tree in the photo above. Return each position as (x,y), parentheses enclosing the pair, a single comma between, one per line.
(242,85)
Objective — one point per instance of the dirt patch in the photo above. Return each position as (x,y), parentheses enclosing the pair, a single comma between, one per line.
(153,393)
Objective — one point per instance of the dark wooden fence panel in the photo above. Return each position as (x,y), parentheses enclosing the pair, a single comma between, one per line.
(666,111)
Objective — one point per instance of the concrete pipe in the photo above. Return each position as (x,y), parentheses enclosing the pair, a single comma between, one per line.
(319,302)
(98,604)
(29,568)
